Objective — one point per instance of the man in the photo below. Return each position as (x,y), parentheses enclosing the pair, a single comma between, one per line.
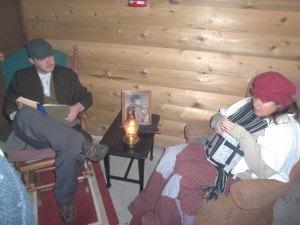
(46,82)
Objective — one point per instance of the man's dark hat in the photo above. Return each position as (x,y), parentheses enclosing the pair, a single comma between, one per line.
(38,48)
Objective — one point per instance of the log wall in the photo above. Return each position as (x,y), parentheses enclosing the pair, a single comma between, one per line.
(194,55)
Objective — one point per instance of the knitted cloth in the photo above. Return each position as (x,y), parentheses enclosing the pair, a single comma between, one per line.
(15,206)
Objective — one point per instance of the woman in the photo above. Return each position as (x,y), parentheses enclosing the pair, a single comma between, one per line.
(268,135)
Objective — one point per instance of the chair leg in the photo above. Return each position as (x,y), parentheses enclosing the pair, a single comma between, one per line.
(38,181)
(86,186)
(86,172)
(39,198)
(28,179)
(31,178)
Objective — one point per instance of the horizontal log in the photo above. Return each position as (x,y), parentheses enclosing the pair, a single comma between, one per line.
(211,18)
(197,81)
(273,45)
(197,61)
(257,44)
(99,121)
(176,113)
(166,95)
(287,5)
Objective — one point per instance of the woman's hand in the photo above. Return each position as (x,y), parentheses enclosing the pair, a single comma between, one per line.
(225,125)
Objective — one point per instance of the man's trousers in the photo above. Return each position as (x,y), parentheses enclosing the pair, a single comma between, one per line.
(39,131)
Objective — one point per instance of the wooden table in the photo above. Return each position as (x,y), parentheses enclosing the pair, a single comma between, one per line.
(113,138)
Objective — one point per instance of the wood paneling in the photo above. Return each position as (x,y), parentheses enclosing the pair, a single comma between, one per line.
(12,38)
(229,30)
(196,56)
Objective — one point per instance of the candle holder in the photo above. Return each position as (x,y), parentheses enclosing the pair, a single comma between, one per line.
(131,128)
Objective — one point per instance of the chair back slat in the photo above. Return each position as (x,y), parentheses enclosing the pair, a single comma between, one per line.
(31,154)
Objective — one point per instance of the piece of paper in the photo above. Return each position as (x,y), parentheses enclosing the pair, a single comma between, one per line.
(27,102)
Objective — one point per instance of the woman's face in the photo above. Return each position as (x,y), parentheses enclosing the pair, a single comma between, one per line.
(262,108)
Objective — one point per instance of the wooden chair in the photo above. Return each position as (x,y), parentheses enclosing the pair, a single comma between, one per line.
(249,201)
(31,162)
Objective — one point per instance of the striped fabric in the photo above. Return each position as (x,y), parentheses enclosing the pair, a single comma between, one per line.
(246,118)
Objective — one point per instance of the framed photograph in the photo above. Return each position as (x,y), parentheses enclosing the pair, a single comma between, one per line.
(141,100)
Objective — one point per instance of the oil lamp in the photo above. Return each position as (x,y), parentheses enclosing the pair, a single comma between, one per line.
(131,127)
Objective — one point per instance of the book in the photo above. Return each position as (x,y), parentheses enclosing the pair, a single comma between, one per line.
(54,111)
(27,102)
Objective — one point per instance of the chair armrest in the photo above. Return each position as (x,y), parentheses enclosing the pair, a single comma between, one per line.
(196,129)
(83,117)
(1,57)
(251,194)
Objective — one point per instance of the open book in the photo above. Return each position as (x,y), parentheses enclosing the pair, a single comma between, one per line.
(55,111)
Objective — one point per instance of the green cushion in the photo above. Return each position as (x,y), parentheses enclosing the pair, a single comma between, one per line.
(19,60)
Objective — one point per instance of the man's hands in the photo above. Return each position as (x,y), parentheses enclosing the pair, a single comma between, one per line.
(225,125)
(74,111)
(20,105)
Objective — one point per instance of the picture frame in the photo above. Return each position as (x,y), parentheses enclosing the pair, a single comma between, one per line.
(141,99)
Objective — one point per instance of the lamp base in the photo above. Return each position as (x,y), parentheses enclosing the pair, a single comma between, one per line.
(131,142)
